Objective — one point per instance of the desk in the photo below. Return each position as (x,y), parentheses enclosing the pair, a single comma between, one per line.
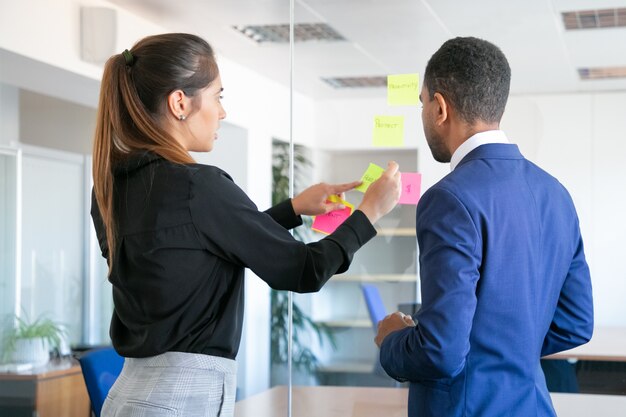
(327,402)
(392,402)
(606,344)
(54,390)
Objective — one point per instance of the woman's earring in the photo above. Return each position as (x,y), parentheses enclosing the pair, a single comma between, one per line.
(181,117)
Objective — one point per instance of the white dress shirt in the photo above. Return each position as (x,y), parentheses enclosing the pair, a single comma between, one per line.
(481,138)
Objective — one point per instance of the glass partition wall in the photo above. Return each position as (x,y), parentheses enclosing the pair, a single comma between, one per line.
(313,102)
(8,232)
(41,238)
(342,65)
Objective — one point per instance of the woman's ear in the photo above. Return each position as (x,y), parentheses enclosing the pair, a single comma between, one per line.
(442,109)
(178,104)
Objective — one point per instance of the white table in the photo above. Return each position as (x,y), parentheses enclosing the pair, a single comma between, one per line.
(606,344)
(392,402)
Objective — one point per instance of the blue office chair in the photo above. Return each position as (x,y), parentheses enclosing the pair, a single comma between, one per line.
(375,305)
(377,312)
(101,367)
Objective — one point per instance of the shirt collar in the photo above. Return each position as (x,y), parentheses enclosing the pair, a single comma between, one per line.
(480,138)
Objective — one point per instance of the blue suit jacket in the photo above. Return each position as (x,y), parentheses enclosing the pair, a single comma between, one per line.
(504,282)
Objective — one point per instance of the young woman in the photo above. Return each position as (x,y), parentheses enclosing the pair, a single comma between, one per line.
(177,235)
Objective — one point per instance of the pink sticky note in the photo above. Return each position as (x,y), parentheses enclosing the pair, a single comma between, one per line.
(327,223)
(411,185)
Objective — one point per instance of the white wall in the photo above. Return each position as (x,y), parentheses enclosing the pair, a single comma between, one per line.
(9,114)
(579,138)
(608,203)
(55,123)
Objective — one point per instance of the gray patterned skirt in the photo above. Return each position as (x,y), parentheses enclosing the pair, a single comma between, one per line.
(174,384)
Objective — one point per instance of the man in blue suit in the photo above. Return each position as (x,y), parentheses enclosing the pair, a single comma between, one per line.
(502,266)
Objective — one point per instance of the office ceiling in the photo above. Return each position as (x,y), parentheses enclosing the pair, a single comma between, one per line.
(398,36)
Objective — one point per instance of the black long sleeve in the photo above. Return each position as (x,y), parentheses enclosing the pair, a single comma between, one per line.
(239,233)
(185,233)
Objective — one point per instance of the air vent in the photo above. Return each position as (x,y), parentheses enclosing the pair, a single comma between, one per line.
(356,82)
(303,32)
(594,19)
(601,73)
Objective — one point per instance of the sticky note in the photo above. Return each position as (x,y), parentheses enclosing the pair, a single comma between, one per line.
(372,173)
(327,223)
(388,131)
(411,187)
(403,90)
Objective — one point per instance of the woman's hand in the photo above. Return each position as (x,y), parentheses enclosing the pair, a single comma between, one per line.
(383,194)
(312,201)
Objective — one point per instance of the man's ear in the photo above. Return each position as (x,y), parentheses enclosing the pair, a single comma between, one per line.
(178,104)
(442,109)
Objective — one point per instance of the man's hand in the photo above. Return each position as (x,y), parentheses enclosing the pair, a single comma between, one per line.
(392,323)
(383,194)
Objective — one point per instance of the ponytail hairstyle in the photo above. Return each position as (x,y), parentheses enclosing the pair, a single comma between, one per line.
(133,105)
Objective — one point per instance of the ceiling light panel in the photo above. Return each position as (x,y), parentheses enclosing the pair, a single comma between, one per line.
(303,32)
(356,82)
(594,19)
(602,73)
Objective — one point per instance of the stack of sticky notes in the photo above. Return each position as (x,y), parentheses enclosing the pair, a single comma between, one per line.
(327,223)
(411,187)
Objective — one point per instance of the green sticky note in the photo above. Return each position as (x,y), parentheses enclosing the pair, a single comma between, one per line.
(403,90)
(388,131)
(372,173)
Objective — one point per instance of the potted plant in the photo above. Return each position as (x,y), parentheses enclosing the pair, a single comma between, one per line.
(303,358)
(31,342)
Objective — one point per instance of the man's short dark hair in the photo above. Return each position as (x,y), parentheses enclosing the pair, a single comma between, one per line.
(473,75)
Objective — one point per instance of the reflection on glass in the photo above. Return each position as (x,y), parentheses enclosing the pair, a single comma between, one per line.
(52,241)
(306,332)
(8,183)
(362,119)
(103,307)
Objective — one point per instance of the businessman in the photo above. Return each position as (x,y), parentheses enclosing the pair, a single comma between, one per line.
(503,271)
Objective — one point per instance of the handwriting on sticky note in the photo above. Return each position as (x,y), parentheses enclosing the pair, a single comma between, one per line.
(372,173)
(388,131)
(411,187)
(329,222)
(403,90)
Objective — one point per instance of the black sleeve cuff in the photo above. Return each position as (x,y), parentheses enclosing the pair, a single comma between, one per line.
(283,214)
(351,235)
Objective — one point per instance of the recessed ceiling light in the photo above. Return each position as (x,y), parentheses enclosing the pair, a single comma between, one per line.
(356,82)
(303,32)
(594,19)
(600,73)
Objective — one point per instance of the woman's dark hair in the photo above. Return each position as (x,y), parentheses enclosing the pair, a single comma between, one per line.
(473,75)
(133,101)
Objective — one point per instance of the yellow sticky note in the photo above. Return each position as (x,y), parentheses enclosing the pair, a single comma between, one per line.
(372,173)
(403,90)
(333,198)
(388,131)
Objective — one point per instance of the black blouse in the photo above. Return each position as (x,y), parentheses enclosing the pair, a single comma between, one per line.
(185,235)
